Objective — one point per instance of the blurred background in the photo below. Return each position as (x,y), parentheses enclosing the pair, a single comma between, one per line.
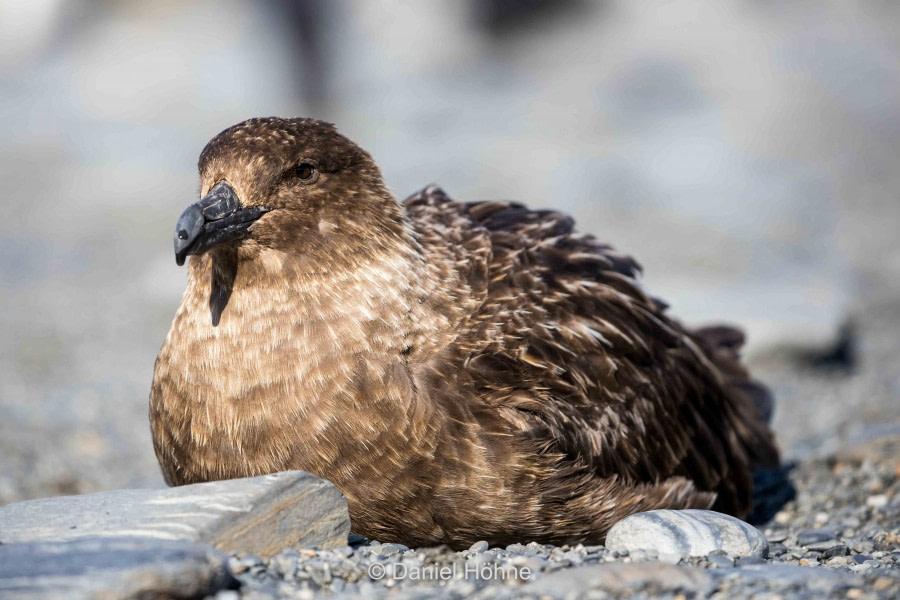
(744,151)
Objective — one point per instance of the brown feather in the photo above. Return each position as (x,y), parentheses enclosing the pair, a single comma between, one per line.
(460,371)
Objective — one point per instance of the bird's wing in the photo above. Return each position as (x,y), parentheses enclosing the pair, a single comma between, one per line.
(457,254)
(568,346)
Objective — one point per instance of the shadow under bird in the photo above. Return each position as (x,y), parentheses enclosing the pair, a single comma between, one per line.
(461,371)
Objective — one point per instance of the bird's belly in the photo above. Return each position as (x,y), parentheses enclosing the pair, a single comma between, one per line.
(233,402)
(223,407)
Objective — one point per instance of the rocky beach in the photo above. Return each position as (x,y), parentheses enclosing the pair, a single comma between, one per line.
(758,188)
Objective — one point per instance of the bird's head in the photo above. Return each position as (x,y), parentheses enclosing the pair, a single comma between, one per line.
(284,184)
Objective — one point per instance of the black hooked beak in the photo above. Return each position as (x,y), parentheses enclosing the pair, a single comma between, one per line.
(216,218)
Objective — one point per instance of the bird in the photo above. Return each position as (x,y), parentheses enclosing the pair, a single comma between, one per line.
(461,371)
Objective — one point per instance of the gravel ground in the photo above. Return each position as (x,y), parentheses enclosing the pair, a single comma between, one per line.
(84,313)
(839,538)
(839,423)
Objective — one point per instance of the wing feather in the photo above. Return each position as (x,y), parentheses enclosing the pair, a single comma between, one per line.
(564,337)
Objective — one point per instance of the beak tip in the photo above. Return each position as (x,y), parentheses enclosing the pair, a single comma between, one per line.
(215,218)
(189,226)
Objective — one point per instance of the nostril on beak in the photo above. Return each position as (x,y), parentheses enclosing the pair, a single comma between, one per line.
(215,218)
(186,231)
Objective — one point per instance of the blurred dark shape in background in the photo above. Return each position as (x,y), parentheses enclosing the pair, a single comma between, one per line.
(305,21)
(505,17)
(838,357)
(744,152)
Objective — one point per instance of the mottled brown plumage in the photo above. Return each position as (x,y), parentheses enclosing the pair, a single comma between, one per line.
(460,371)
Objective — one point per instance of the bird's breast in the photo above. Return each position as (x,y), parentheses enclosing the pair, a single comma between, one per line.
(270,386)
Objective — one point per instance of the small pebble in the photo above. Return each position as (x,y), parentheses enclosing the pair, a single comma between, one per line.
(878,501)
(861,545)
(778,535)
(237,565)
(852,522)
(822,546)
(873,564)
(515,548)
(392,549)
(479,546)
(670,558)
(839,550)
(807,537)
(720,560)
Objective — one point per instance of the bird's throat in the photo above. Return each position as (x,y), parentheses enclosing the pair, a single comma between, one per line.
(244,321)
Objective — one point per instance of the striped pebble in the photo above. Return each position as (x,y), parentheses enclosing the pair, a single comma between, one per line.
(683,533)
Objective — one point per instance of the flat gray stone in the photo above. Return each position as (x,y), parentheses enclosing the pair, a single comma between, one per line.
(820,580)
(112,568)
(686,533)
(259,515)
(621,579)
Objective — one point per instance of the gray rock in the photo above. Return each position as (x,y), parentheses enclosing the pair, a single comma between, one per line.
(779,535)
(794,577)
(112,568)
(258,515)
(515,549)
(777,549)
(392,549)
(823,546)
(621,578)
(743,561)
(686,533)
(720,560)
(811,537)
(479,546)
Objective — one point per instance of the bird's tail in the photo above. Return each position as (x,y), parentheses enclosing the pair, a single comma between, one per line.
(771,485)
(725,345)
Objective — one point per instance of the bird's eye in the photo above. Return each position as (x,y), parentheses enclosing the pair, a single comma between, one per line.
(305,172)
